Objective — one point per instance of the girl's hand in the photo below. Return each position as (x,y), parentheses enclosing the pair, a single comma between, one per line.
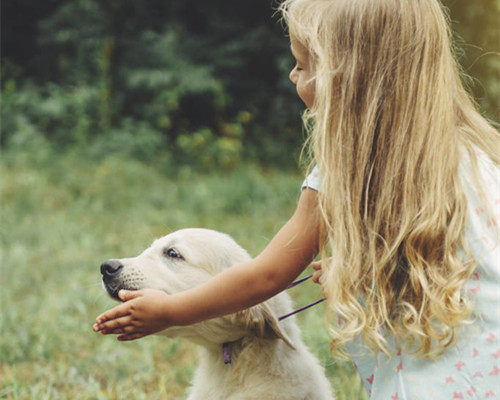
(142,313)
(317,271)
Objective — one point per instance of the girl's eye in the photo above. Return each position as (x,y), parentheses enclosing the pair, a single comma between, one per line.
(298,68)
(171,253)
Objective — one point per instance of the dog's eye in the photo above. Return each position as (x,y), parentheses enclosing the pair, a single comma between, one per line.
(171,253)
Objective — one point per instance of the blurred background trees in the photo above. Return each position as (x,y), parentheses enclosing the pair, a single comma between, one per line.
(185,81)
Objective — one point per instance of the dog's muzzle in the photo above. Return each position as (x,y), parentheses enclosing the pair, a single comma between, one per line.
(110,271)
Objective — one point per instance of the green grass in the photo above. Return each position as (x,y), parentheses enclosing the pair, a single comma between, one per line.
(61,216)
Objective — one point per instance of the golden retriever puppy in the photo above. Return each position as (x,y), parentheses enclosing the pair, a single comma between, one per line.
(249,355)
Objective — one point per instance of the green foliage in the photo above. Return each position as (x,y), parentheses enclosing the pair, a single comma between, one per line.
(205,149)
(62,116)
(477,36)
(180,70)
(134,139)
(181,73)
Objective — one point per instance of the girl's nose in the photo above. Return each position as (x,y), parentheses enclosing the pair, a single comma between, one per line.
(293,76)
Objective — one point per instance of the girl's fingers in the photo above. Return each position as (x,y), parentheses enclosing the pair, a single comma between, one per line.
(114,325)
(116,312)
(130,336)
(316,277)
(317,271)
(122,330)
(316,265)
(126,295)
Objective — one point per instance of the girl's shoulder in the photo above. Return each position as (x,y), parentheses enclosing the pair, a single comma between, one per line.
(478,166)
(480,178)
(313,180)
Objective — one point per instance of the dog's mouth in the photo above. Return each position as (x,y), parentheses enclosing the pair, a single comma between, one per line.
(111,288)
(116,277)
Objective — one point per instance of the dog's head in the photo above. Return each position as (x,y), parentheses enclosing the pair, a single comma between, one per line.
(185,259)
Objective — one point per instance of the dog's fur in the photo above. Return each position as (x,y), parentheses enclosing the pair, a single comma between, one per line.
(269,360)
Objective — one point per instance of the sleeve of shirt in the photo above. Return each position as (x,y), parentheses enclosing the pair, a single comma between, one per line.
(313,180)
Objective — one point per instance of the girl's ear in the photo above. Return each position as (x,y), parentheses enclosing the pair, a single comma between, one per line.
(263,323)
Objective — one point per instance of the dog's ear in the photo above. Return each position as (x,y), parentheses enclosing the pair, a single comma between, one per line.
(262,321)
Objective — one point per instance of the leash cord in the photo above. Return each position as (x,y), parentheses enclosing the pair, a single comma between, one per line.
(293,284)
(301,309)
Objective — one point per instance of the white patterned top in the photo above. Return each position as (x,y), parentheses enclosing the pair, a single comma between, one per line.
(470,368)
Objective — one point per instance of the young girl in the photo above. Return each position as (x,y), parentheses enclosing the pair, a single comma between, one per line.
(402,204)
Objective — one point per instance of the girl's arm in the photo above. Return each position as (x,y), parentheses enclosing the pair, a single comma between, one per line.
(237,288)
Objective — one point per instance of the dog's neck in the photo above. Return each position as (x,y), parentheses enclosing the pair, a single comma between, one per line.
(229,353)
(210,334)
(227,350)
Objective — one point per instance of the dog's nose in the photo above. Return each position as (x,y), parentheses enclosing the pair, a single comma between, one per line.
(111,268)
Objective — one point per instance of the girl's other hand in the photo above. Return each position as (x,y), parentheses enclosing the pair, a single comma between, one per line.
(317,271)
(142,313)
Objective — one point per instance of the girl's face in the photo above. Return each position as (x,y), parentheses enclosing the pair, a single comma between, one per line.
(302,74)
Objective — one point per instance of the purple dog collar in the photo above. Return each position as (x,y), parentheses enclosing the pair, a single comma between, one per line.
(226,353)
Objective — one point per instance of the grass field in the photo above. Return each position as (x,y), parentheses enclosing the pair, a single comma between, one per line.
(61,216)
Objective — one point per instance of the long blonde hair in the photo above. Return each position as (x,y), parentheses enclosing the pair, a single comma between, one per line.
(389,119)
